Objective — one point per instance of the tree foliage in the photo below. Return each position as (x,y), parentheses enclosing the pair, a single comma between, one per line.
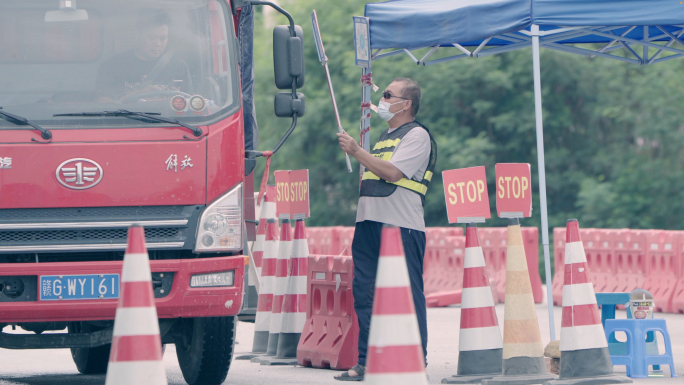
(613,132)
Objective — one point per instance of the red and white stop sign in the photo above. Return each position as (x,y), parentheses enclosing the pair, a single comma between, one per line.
(513,190)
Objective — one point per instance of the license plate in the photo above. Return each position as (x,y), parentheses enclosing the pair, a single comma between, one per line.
(74,287)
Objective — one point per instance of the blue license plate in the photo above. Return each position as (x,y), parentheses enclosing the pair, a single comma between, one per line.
(70,287)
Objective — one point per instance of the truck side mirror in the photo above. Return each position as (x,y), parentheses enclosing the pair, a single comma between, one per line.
(286,106)
(288,57)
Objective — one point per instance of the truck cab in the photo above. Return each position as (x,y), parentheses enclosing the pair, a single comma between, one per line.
(114,113)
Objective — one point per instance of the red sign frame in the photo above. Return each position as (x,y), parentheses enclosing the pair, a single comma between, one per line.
(510,204)
(465,193)
(292,194)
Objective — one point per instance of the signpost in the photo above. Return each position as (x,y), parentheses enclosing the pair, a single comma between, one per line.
(324,62)
(362,41)
(465,191)
(513,190)
(292,194)
(363,58)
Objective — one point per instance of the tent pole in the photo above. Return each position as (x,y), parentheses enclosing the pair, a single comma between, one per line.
(542,175)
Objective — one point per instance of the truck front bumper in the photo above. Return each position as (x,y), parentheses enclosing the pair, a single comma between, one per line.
(181,301)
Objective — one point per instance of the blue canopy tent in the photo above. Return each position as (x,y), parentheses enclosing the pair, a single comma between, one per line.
(475,28)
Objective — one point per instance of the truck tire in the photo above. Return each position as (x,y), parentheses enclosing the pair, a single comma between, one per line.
(89,360)
(205,349)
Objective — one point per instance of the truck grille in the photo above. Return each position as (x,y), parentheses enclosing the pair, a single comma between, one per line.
(109,235)
(91,213)
(96,229)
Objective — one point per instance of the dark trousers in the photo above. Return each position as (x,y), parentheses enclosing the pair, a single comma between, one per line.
(365,253)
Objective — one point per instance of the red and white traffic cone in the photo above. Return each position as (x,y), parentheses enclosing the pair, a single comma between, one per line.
(395,353)
(585,358)
(294,303)
(262,322)
(480,345)
(284,254)
(293,310)
(136,355)
(267,211)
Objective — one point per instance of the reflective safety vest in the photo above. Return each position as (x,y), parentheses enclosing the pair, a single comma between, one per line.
(373,186)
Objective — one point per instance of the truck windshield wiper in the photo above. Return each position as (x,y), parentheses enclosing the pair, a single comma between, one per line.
(132,114)
(18,120)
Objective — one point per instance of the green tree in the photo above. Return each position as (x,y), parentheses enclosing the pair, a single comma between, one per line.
(613,132)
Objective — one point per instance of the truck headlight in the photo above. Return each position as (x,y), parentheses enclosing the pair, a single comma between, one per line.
(213,279)
(220,227)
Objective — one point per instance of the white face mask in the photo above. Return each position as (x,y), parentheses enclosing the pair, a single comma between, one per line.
(384,112)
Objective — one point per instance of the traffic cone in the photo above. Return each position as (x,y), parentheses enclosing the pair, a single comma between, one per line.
(262,321)
(284,254)
(136,355)
(267,211)
(253,261)
(480,346)
(395,353)
(523,354)
(585,358)
(294,301)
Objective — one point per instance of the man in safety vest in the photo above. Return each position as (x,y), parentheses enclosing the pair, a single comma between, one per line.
(398,171)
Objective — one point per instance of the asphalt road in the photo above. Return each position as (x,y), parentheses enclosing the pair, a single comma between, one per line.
(55,367)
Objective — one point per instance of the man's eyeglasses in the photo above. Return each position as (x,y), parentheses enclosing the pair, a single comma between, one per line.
(387,95)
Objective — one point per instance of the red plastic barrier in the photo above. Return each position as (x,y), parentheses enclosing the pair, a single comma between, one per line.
(325,240)
(558,265)
(500,239)
(612,237)
(490,249)
(678,297)
(663,260)
(531,241)
(448,274)
(631,260)
(331,333)
(598,247)
(313,239)
(346,236)
(435,252)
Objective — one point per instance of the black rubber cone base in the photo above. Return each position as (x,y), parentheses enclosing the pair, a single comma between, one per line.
(272,360)
(473,379)
(598,380)
(525,379)
(249,356)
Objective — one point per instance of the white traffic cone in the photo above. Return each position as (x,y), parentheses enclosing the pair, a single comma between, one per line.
(136,355)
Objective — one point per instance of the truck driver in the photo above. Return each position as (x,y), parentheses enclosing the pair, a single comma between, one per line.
(148,67)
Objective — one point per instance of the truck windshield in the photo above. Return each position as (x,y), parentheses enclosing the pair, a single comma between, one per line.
(174,57)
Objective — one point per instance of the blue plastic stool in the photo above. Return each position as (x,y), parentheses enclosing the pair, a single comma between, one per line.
(637,359)
(608,302)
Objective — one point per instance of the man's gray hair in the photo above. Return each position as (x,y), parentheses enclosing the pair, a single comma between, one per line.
(411,90)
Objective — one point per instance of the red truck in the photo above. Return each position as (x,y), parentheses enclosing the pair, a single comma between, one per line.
(119,112)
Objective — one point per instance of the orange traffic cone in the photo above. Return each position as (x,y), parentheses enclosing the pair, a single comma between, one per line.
(523,354)
(395,353)
(585,358)
(136,355)
(479,344)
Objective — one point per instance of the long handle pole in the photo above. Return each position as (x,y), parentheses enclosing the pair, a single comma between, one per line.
(337,113)
(542,176)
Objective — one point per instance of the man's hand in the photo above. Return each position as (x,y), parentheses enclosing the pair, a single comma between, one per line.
(348,144)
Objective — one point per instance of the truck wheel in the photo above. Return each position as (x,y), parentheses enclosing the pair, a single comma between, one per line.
(89,360)
(205,349)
